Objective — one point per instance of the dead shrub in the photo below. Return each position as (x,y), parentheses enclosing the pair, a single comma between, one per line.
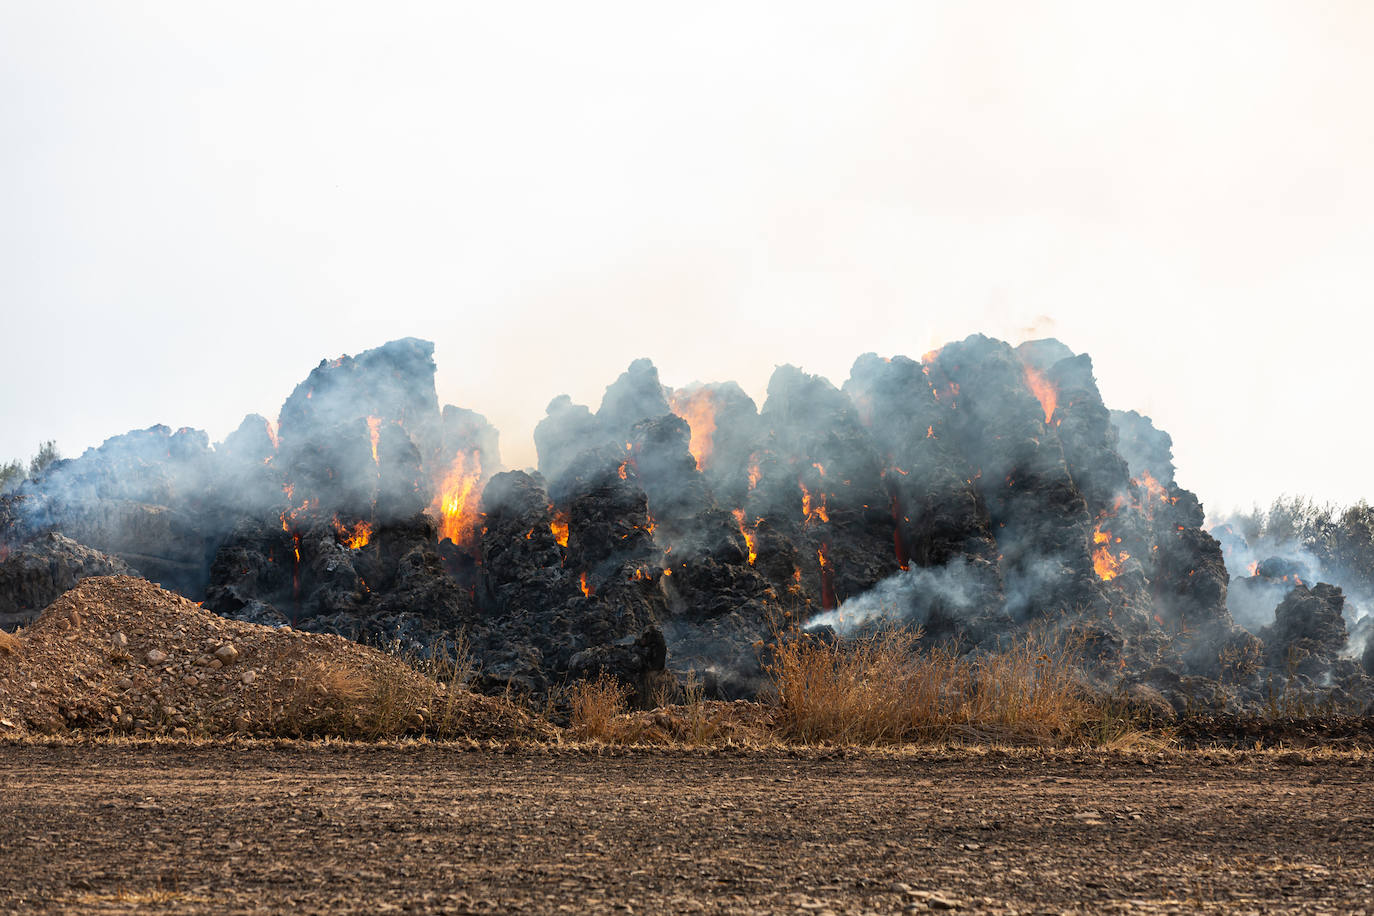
(594,706)
(884,687)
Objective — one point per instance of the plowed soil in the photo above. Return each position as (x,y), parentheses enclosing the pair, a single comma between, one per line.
(269,828)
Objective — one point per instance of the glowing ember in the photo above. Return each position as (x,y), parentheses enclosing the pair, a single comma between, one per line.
(930,432)
(755,475)
(749,536)
(559,527)
(455,506)
(828,602)
(621,471)
(698,408)
(587,590)
(1044,392)
(355,537)
(374,430)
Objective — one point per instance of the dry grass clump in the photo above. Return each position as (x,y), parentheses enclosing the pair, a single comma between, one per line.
(9,643)
(336,698)
(599,712)
(884,688)
(595,705)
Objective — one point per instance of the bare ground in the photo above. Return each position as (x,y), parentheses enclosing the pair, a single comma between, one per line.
(274,827)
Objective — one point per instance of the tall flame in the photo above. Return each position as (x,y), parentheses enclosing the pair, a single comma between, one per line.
(559,526)
(811,509)
(828,602)
(455,506)
(755,474)
(750,538)
(587,590)
(1044,392)
(1105,564)
(698,408)
(374,430)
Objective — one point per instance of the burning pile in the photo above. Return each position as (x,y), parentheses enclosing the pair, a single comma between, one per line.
(977,492)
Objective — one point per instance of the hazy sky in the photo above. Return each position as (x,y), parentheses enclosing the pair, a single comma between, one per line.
(199,202)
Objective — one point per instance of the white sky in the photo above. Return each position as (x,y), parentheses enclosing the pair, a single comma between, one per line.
(198,202)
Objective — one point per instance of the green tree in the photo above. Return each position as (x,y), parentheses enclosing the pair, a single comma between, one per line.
(47,454)
(11,475)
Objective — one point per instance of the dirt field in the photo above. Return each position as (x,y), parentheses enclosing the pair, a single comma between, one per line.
(347,828)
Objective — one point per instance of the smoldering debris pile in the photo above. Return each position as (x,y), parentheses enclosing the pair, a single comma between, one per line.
(978,492)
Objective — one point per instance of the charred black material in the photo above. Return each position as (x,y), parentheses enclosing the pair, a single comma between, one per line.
(980,492)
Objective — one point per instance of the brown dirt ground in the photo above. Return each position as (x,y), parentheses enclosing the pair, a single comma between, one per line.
(118,655)
(266,827)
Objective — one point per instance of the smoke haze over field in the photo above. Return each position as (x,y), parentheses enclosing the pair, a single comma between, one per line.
(197,204)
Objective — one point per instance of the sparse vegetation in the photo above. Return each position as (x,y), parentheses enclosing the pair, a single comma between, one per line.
(885,688)
(595,705)
(332,698)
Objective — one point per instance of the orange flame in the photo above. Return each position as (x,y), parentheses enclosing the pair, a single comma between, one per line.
(374,430)
(1044,392)
(811,510)
(828,601)
(755,475)
(455,506)
(355,537)
(587,590)
(272,434)
(749,536)
(930,432)
(1253,568)
(1106,565)
(698,408)
(1154,489)
(559,527)
(621,470)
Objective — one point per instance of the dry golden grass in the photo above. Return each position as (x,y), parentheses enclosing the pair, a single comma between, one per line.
(595,705)
(9,642)
(884,688)
(339,699)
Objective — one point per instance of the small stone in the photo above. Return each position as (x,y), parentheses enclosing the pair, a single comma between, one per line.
(249,677)
(215,664)
(124,684)
(156,656)
(936,902)
(179,733)
(190,680)
(227,653)
(121,640)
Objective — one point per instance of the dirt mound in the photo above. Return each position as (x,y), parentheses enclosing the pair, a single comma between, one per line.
(119,655)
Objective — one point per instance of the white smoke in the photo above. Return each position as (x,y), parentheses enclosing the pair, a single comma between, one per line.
(908,597)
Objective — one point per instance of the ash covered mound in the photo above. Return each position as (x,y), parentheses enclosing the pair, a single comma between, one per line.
(978,493)
(118,655)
